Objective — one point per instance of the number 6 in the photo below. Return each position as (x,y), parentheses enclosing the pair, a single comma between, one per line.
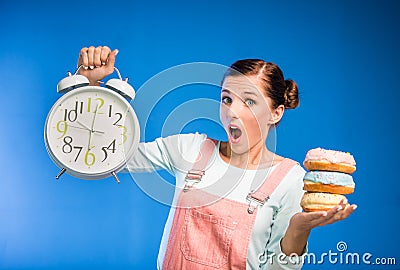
(92,157)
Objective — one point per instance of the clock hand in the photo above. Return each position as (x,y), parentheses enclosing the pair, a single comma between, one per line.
(91,129)
(95,131)
(90,140)
(94,117)
(77,127)
(83,125)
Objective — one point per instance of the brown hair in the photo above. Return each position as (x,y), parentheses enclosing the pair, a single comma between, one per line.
(280,91)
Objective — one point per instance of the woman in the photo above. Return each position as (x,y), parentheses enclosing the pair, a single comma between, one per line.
(237,203)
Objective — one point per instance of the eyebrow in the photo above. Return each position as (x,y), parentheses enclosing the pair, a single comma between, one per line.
(251,93)
(247,92)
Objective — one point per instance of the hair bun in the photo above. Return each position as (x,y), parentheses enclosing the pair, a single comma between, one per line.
(291,94)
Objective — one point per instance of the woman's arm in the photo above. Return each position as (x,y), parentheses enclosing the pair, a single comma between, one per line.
(171,153)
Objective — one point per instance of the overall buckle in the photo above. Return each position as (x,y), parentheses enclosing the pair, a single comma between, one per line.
(254,203)
(192,177)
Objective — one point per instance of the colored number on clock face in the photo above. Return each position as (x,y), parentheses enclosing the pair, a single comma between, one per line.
(62,127)
(123,133)
(90,158)
(99,105)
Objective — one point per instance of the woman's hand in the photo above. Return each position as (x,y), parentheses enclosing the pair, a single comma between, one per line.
(97,63)
(306,221)
(302,223)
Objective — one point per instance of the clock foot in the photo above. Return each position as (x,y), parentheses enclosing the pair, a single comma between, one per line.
(116,177)
(60,173)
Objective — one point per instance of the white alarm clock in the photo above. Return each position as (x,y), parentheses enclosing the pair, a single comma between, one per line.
(91,131)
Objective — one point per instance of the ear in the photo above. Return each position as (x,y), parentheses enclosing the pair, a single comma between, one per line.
(277,114)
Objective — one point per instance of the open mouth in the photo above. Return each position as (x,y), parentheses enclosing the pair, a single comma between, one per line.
(235,133)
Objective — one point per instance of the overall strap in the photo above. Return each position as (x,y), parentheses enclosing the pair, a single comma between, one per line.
(261,195)
(198,170)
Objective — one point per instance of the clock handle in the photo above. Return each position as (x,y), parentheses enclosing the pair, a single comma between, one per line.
(116,177)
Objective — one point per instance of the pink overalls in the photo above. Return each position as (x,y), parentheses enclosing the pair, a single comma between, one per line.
(215,236)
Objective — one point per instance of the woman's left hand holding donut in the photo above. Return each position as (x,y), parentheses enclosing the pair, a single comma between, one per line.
(302,223)
(310,220)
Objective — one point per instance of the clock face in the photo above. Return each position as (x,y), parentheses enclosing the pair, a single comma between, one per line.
(91,131)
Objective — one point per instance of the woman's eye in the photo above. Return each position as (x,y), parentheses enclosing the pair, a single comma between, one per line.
(226,100)
(249,102)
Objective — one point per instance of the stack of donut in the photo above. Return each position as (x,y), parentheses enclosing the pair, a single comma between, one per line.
(328,179)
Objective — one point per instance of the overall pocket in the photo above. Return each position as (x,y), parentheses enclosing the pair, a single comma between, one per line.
(206,239)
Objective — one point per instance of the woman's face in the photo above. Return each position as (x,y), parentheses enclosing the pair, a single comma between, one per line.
(245,112)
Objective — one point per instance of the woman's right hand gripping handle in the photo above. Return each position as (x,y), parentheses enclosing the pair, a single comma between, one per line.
(97,63)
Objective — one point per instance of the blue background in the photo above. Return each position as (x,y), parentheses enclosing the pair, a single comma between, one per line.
(343,55)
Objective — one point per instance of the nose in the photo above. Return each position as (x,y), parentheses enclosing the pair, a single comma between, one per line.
(234,109)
